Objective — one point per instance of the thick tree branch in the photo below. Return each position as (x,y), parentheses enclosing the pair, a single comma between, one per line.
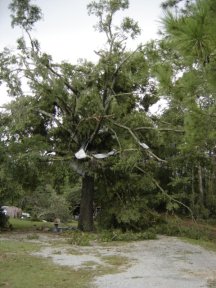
(160,129)
(99,119)
(121,64)
(143,145)
(167,195)
(66,107)
(70,87)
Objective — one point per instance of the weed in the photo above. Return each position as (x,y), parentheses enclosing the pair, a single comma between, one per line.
(80,238)
(33,236)
(90,264)
(115,260)
(74,252)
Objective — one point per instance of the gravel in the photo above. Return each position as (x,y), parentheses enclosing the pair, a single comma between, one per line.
(167,262)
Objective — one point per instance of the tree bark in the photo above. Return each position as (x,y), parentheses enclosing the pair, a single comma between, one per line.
(86,205)
(193,189)
(201,190)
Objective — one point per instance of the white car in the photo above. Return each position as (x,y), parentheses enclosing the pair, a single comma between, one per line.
(25,215)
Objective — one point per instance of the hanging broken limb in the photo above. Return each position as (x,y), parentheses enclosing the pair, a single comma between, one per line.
(143,145)
(167,195)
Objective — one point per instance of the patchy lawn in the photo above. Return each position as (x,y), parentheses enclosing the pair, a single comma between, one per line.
(35,259)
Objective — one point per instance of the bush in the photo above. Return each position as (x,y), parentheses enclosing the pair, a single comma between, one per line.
(56,207)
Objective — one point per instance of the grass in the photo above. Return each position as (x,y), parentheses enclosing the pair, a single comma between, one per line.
(19,269)
(33,236)
(90,264)
(185,227)
(24,225)
(74,252)
(198,233)
(116,260)
(209,245)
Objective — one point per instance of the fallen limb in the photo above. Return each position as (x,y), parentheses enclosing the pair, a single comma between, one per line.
(168,196)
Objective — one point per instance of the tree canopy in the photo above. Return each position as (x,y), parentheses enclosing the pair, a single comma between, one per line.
(93,119)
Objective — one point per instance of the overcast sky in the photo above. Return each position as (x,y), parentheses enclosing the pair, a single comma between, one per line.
(66,31)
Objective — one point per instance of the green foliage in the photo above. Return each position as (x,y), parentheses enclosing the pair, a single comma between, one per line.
(73,197)
(126,213)
(190,32)
(118,235)
(185,228)
(24,225)
(80,238)
(177,230)
(24,14)
(131,27)
(50,206)
(105,10)
(186,51)
(102,107)
(86,239)
(111,6)
(164,74)
(91,106)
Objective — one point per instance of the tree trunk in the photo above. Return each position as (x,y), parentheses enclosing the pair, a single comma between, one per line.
(193,189)
(86,206)
(201,190)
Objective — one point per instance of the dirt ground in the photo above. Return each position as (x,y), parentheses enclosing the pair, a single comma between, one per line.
(167,262)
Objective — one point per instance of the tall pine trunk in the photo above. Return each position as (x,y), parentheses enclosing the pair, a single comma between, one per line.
(192,188)
(86,205)
(201,190)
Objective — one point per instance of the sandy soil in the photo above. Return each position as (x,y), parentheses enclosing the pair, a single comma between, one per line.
(166,263)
